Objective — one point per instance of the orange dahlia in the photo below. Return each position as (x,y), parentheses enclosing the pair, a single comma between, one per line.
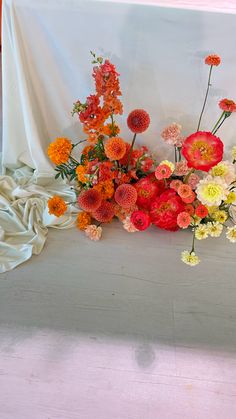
(56,206)
(90,200)
(59,151)
(202,150)
(115,148)
(213,59)
(104,213)
(83,220)
(126,195)
(106,188)
(138,121)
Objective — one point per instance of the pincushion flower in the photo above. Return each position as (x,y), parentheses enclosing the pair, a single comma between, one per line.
(57,206)
(128,225)
(201,232)
(138,121)
(227,105)
(214,229)
(126,195)
(231,234)
(190,258)
(140,220)
(213,60)
(183,219)
(202,150)
(163,172)
(211,191)
(59,151)
(115,148)
(225,170)
(104,213)
(201,211)
(89,200)
(83,220)
(93,232)
(171,133)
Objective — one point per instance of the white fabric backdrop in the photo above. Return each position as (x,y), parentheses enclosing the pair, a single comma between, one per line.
(158,51)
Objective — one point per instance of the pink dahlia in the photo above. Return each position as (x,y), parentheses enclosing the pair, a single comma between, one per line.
(138,121)
(126,195)
(90,200)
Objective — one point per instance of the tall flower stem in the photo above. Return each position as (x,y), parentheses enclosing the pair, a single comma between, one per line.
(131,149)
(217,122)
(205,100)
(175,154)
(223,120)
(193,242)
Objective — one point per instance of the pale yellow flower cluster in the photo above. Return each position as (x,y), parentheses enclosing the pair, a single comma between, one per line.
(190,258)
(231,234)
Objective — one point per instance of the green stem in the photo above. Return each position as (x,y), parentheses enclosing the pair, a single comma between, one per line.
(175,155)
(186,178)
(79,142)
(217,122)
(193,242)
(214,132)
(131,149)
(179,151)
(205,100)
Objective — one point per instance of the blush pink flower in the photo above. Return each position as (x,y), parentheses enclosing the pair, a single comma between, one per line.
(181,168)
(93,232)
(175,184)
(184,191)
(183,219)
(163,172)
(193,180)
(171,133)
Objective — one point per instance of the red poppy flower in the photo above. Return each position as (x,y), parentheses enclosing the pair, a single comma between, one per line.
(140,220)
(165,210)
(202,150)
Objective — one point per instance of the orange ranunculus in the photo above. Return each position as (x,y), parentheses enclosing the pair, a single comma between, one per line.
(59,151)
(56,206)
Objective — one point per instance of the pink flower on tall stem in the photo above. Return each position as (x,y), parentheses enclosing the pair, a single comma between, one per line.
(171,134)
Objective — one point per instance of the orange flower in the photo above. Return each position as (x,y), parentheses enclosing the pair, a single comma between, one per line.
(115,148)
(56,206)
(87,149)
(213,60)
(81,172)
(83,220)
(106,188)
(59,151)
(227,105)
(184,191)
(111,130)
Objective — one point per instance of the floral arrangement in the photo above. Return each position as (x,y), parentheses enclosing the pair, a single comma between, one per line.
(115,178)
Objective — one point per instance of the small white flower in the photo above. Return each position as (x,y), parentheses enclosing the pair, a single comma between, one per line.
(231,234)
(214,229)
(201,232)
(190,258)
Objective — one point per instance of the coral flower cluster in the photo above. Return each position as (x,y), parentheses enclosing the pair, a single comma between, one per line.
(113,177)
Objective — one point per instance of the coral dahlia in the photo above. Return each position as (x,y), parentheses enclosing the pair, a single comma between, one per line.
(138,121)
(104,213)
(90,200)
(115,148)
(126,195)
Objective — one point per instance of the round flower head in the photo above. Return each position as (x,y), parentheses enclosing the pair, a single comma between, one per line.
(168,163)
(81,172)
(184,190)
(231,198)
(181,168)
(201,211)
(83,220)
(227,105)
(211,191)
(106,188)
(59,151)
(138,121)
(190,198)
(202,150)
(201,232)
(171,134)
(214,229)
(90,200)
(183,219)
(104,213)
(147,189)
(126,195)
(189,258)
(175,184)
(115,148)
(220,216)
(231,234)
(93,232)
(165,209)
(163,172)
(57,206)
(213,60)
(225,170)
(140,220)
(190,209)
(193,180)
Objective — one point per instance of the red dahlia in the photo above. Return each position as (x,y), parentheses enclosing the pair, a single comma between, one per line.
(104,213)
(90,200)
(141,220)
(202,150)
(165,209)
(138,121)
